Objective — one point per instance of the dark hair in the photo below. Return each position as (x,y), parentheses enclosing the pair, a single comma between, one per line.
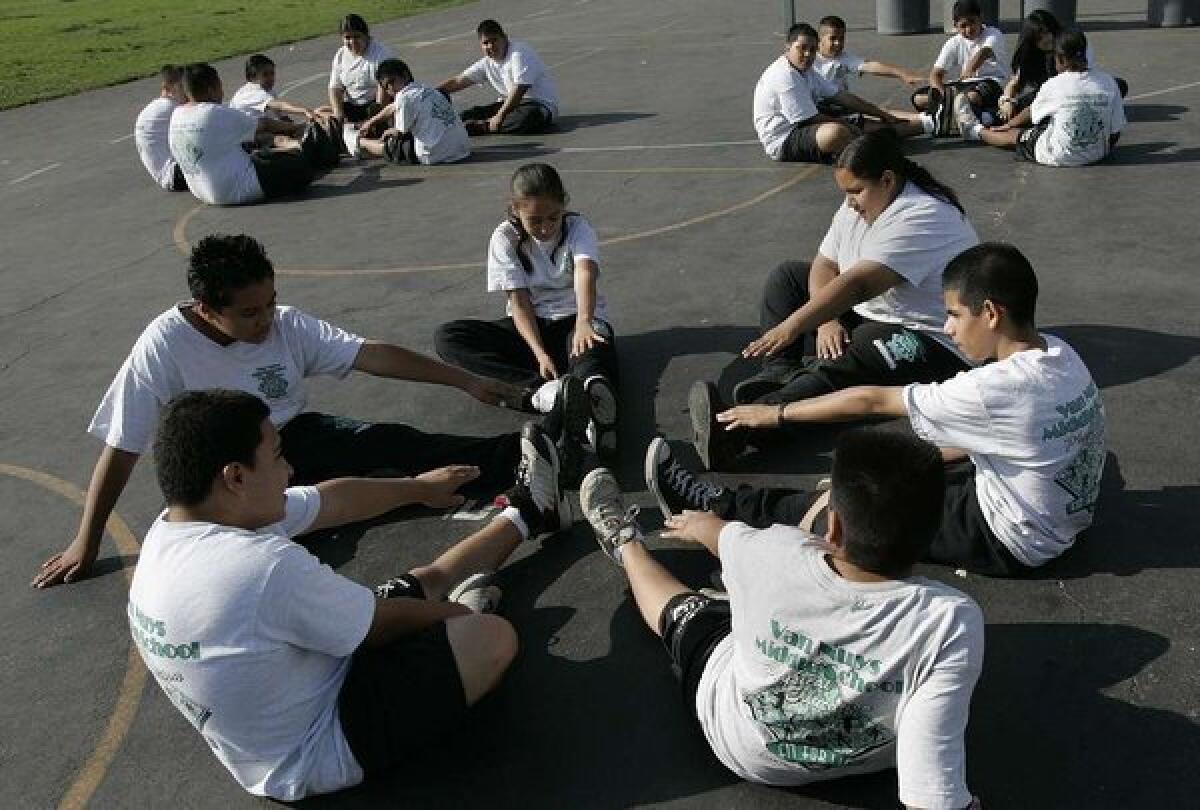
(200,79)
(490,28)
(996,272)
(199,433)
(1030,62)
(353,24)
(965,8)
(170,74)
(832,21)
(888,489)
(537,180)
(1071,47)
(868,156)
(392,69)
(221,264)
(801,29)
(256,64)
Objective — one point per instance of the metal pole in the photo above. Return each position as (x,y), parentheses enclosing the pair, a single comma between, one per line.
(789,14)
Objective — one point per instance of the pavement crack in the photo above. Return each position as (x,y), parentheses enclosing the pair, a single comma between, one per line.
(1062,586)
(10,363)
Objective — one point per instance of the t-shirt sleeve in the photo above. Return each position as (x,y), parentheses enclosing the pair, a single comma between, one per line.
(931,760)
(993,38)
(504,270)
(583,242)
(1118,108)
(477,72)
(833,237)
(308,604)
(301,507)
(914,244)
(525,69)
(406,112)
(1045,103)
(324,348)
(128,415)
(335,72)
(948,56)
(951,413)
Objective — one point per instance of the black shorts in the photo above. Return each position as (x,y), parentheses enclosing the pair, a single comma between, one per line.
(849,116)
(989,91)
(1026,146)
(801,145)
(399,699)
(178,180)
(691,626)
(357,113)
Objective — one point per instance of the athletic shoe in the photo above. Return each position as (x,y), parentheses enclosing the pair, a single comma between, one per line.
(574,411)
(964,115)
(716,445)
(538,494)
(477,593)
(677,488)
(773,376)
(545,397)
(940,111)
(396,587)
(602,429)
(604,507)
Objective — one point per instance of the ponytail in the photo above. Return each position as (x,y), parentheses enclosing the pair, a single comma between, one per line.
(870,155)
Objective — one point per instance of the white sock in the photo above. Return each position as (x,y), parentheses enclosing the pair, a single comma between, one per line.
(927,123)
(513,515)
(971,133)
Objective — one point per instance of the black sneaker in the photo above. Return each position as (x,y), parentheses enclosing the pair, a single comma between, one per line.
(941,112)
(677,488)
(602,430)
(538,494)
(716,445)
(771,378)
(574,414)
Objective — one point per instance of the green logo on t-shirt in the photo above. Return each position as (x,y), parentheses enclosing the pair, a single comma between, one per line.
(272,381)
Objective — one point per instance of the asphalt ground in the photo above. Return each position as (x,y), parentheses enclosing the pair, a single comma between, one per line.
(1089,695)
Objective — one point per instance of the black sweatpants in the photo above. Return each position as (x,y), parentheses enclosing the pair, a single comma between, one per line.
(879,353)
(320,447)
(496,349)
(529,117)
(964,540)
(282,173)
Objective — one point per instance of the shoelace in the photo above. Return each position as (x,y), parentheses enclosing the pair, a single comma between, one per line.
(691,488)
(614,520)
(384,591)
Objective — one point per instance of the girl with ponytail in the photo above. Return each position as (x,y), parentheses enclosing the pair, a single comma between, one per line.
(868,309)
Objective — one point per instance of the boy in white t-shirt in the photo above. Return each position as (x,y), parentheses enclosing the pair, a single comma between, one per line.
(1024,435)
(150,132)
(425,128)
(788,99)
(257,98)
(1075,119)
(825,659)
(979,55)
(836,64)
(528,102)
(233,335)
(300,680)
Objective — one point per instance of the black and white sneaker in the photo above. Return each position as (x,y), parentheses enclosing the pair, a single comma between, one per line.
(716,445)
(677,488)
(942,112)
(614,525)
(602,429)
(538,493)
(573,413)
(477,592)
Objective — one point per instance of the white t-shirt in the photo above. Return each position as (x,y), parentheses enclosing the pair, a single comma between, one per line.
(916,236)
(252,99)
(1033,425)
(206,140)
(1084,109)
(784,97)
(839,70)
(249,635)
(822,677)
(551,285)
(150,134)
(171,356)
(521,65)
(356,73)
(438,133)
(958,50)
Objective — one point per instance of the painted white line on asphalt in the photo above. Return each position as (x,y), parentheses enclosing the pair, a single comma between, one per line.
(35,173)
(541,13)
(1163,92)
(426,43)
(652,147)
(290,86)
(576,58)
(122,138)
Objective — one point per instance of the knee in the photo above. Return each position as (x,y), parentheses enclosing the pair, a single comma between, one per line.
(787,279)
(832,138)
(484,647)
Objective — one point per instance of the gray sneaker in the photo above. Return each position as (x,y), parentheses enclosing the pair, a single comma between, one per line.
(477,593)
(604,507)
(964,115)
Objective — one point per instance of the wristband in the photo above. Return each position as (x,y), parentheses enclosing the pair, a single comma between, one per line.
(779,416)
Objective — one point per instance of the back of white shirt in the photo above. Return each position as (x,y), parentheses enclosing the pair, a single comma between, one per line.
(916,237)
(150,136)
(551,285)
(438,133)
(1085,110)
(958,50)
(1034,427)
(356,73)
(252,99)
(521,65)
(171,356)
(839,70)
(783,98)
(206,140)
(822,677)
(249,635)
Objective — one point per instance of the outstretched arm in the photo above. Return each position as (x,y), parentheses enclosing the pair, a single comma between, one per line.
(398,363)
(350,500)
(395,618)
(585,307)
(288,108)
(525,318)
(840,406)
(976,61)
(853,102)
(454,84)
(888,70)
(109,478)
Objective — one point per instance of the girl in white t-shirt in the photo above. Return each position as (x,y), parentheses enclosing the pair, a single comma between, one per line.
(545,260)
(353,91)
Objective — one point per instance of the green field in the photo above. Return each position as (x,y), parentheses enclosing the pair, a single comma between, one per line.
(58,47)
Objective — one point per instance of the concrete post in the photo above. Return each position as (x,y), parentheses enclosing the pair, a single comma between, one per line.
(901,17)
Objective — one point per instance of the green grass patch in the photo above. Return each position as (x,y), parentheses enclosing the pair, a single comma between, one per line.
(58,47)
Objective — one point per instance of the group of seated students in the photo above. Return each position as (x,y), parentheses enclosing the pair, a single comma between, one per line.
(1053,107)
(261,147)
(823,655)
